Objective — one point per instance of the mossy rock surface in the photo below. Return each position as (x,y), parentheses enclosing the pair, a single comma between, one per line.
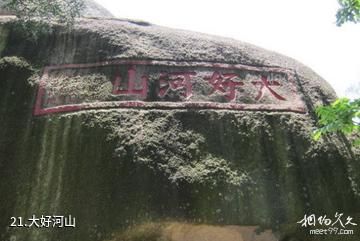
(118,169)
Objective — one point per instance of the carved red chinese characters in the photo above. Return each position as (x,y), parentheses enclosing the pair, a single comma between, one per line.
(176,81)
(169,84)
(264,83)
(224,83)
(131,88)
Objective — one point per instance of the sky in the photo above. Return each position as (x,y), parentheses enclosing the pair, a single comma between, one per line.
(304,30)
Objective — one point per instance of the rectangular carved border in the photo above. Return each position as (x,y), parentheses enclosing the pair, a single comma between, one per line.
(39,110)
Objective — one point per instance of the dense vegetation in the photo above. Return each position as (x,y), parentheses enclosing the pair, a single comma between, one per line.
(343,114)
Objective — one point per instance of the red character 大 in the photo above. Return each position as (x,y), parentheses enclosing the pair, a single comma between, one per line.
(265,83)
(176,81)
(131,89)
(224,83)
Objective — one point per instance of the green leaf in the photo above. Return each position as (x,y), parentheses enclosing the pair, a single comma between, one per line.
(340,116)
(316,135)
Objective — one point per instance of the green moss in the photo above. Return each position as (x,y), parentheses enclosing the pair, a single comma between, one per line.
(14,62)
(87,88)
(159,141)
(156,165)
(4,32)
(16,96)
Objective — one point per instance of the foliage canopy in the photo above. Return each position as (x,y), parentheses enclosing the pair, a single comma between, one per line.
(342,115)
(349,12)
(62,11)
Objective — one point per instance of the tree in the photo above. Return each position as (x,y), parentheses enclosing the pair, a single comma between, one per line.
(35,16)
(45,11)
(343,115)
(348,12)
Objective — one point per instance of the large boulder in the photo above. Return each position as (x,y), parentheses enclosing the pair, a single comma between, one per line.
(143,132)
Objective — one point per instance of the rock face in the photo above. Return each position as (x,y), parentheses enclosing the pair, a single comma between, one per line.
(93,9)
(185,153)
